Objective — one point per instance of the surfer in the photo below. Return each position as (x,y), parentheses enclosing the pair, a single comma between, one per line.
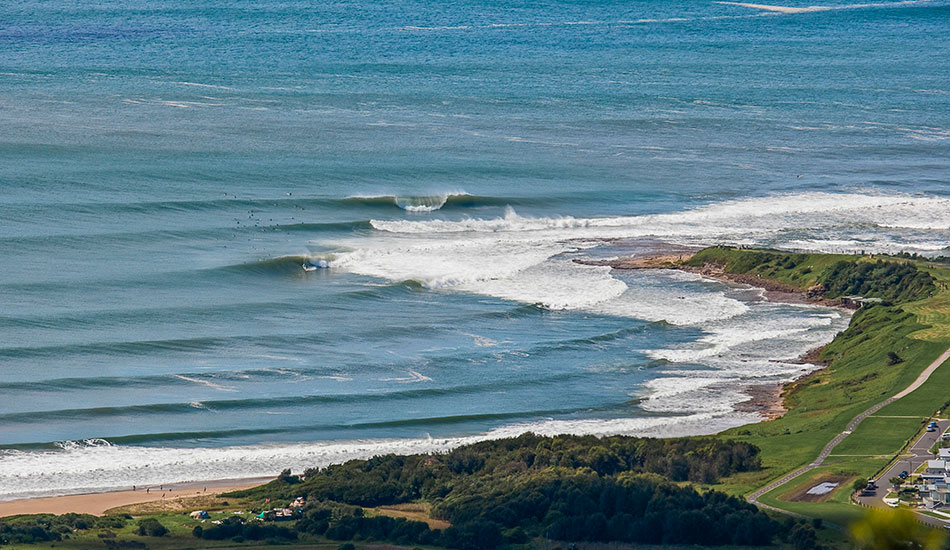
(313,266)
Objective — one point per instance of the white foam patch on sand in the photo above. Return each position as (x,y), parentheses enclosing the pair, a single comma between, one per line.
(822,488)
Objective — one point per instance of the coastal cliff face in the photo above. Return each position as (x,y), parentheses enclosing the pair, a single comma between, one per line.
(818,276)
(826,279)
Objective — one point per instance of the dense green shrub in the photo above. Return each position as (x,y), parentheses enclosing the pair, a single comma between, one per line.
(47,527)
(394,479)
(570,487)
(892,281)
(151,527)
(583,506)
(236,527)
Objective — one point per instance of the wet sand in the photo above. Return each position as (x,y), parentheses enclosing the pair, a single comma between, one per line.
(765,400)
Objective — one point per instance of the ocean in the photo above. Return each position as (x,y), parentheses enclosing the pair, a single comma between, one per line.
(168,169)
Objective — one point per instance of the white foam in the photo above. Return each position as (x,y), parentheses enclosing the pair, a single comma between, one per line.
(413,377)
(200,85)
(210,384)
(425,203)
(812,9)
(684,395)
(737,352)
(412,205)
(95,465)
(654,296)
(527,259)
(779,9)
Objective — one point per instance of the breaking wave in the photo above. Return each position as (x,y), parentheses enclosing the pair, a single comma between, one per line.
(97,465)
(529,259)
(431,203)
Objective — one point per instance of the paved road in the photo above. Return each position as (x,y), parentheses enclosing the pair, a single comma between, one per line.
(754,496)
(924,375)
(916,455)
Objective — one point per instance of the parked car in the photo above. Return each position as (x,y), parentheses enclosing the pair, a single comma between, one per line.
(903,474)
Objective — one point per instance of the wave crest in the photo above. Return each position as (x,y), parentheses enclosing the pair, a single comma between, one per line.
(429,203)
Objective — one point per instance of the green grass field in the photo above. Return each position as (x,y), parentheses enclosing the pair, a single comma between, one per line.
(837,509)
(859,376)
(934,312)
(879,436)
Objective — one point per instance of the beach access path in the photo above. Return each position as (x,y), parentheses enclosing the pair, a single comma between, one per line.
(921,379)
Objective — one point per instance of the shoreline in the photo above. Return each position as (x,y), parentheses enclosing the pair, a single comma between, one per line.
(97,503)
(765,399)
(774,291)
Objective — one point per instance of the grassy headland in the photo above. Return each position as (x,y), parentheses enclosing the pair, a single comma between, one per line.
(884,349)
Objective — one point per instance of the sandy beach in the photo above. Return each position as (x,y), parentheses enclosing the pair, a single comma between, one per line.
(98,503)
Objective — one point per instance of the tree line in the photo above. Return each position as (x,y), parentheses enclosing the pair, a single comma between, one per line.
(570,488)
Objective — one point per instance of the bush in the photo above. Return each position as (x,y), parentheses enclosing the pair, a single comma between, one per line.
(475,535)
(506,491)
(286,477)
(151,527)
(235,527)
(859,485)
(803,537)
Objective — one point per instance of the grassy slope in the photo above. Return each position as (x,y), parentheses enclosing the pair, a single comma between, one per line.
(821,405)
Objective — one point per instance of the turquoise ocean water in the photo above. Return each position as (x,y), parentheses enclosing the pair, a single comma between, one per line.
(167,169)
